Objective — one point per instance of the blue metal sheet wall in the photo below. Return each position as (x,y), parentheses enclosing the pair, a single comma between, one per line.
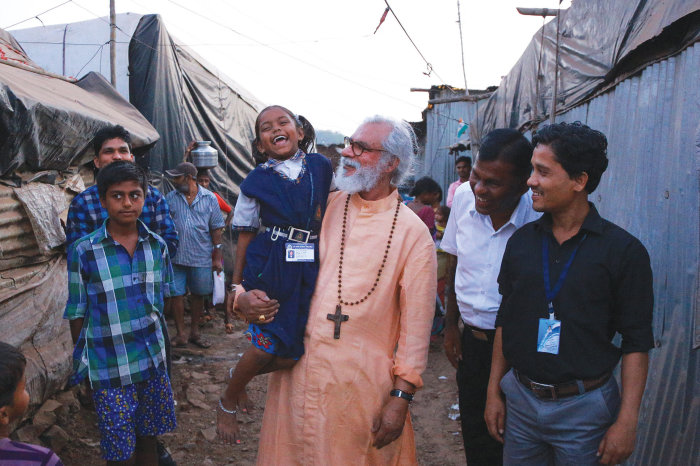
(651,189)
(441,132)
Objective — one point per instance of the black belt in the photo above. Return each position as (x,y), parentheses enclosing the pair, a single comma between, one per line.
(479,333)
(555,391)
(291,233)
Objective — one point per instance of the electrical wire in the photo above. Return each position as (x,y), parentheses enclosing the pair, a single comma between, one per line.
(430,67)
(93,56)
(37,15)
(383,94)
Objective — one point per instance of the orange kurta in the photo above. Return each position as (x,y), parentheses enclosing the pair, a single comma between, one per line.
(321,411)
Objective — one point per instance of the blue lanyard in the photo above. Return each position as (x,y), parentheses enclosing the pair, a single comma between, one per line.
(552,293)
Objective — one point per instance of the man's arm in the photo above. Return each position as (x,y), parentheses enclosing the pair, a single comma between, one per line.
(495,413)
(388,426)
(619,440)
(163,222)
(77,220)
(76,326)
(218,254)
(418,289)
(453,337)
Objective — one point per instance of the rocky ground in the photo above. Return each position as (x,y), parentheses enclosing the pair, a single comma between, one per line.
(197,383)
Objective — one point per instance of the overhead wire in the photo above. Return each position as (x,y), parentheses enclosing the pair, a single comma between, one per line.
(304,61)
(37,15)
(411,104)
(427,63)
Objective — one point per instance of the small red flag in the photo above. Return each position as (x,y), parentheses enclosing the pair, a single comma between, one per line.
(386,12)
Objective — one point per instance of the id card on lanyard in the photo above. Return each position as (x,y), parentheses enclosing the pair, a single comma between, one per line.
(549,330)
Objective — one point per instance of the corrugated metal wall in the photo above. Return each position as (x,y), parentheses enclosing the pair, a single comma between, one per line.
(441,132)
(651,189)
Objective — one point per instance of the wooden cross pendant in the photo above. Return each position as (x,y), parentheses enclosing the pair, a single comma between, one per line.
(338,318)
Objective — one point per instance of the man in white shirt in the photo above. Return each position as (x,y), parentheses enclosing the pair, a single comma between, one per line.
(485,213)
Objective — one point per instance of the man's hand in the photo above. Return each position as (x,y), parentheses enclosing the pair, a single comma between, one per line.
(217,260)
(388,425)
(495,415)
(256,303)
(453,345)
(618,443)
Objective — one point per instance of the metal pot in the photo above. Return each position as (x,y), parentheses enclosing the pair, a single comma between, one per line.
(205,156)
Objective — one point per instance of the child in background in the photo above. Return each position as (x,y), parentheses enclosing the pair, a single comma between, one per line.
(288,193)
(14,401)
(118,277)
(442,214)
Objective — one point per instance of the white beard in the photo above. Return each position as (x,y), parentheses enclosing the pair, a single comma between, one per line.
(364,179)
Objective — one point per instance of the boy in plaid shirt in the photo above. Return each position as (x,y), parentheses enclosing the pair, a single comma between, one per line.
(118,277)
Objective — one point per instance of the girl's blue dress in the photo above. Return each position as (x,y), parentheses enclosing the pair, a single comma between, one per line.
(284,203)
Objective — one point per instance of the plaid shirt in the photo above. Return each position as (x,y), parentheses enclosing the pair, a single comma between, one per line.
(86,215)
(121,300)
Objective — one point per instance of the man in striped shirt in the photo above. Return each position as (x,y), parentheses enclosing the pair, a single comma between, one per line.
(199,224)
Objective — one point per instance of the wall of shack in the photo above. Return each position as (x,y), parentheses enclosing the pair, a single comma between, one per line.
(651,189)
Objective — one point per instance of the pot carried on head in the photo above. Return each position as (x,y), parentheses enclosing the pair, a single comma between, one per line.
(204,156)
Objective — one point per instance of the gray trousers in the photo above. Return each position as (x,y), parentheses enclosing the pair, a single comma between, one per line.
(560,432)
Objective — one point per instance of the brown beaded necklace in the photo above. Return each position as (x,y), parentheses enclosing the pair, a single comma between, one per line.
(338,317)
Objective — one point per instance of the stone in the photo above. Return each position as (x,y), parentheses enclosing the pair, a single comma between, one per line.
(43,420)
(50,406)
(199,375)
(55,438)
(212,388)
(209,434)
(69,399)
(28,434)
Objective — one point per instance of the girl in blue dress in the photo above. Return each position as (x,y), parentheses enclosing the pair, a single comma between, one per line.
(287,194)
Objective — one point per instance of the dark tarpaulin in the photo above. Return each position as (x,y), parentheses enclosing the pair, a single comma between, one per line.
(187,99)
(46,123)
(600,43)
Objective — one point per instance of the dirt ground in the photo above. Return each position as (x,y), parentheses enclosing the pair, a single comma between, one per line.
(198,377)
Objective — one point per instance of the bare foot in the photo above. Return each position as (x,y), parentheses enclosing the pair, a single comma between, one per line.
(243,403)
(178,342)
(229,328)
(227,426)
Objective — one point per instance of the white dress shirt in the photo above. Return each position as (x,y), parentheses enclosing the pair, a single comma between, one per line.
(469,235)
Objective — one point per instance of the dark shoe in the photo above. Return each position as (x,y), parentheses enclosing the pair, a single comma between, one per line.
(164,458)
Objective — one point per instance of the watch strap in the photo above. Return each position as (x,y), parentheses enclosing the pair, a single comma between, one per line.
(401,394)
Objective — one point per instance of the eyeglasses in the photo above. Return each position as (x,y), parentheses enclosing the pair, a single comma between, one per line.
(358,148)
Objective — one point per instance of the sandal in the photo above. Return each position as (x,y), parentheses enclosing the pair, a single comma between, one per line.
(199,342)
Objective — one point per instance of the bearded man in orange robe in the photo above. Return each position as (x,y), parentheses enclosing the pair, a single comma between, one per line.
(346,401)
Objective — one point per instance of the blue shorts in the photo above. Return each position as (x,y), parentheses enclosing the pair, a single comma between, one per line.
(199,280)
(137,410)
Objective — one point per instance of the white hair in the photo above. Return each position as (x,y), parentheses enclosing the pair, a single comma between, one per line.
(400,143)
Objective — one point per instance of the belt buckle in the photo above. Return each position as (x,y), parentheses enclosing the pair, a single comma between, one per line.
(544,387)
(298,235)
(275,233)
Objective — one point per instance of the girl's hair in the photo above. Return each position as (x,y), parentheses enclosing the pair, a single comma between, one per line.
(307,144)
(12,364)
(444,211)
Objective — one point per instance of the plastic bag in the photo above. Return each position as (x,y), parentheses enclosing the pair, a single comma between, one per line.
(219,289)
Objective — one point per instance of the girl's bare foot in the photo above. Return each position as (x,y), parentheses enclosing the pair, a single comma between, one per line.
(229,328)
(227,424)
(242,402)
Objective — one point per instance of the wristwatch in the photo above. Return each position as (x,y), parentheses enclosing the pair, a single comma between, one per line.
(401,394)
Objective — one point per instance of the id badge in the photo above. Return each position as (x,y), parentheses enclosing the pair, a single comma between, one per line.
(299,252)
(548,336)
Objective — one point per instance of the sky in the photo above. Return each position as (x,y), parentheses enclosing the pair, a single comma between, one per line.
(321,58)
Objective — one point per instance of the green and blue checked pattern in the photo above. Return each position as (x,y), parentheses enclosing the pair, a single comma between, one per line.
(121,299)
